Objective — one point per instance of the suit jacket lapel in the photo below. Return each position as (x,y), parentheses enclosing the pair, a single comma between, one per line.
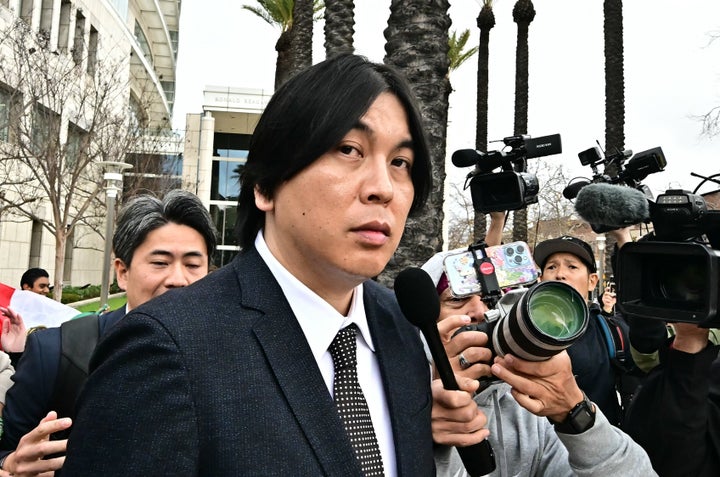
(404,369)
(293,365)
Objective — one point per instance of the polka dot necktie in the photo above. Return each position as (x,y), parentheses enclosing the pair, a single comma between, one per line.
(351,404)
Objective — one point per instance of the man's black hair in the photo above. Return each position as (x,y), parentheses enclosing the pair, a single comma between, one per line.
(28,278)
(308,116)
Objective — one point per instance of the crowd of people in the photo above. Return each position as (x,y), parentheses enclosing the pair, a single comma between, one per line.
(292,360)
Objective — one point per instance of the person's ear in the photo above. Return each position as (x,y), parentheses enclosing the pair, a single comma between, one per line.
(263,202)
(121,273)
(593,279)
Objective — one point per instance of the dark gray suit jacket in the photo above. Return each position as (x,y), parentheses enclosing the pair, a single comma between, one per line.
(217,379)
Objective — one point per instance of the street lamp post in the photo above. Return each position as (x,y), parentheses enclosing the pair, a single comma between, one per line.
(113,177)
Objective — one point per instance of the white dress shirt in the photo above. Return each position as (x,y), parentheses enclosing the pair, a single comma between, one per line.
(320,323)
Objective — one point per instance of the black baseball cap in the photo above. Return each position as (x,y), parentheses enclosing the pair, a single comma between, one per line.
(566,244)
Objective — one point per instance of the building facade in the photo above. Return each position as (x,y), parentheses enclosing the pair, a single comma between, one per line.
(216,148)
(138,39)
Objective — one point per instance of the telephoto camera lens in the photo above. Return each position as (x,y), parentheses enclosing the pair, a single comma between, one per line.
(548,318)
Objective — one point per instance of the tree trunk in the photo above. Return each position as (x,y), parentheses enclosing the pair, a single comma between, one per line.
(485,22)
(60,241)
(523,14)
(614,90)
(301,40)
(339,27)
(417,44)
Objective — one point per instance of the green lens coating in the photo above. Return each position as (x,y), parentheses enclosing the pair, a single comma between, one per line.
(556,311)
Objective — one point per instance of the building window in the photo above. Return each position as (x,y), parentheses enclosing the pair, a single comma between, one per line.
(69,250)
(10,112)
(169,89)
(76,143)
(174,41)
(79,40)
(226,178)
(143,41)
(156,173)
(35,244)
(45,131)
(92,51)
(224,216)
(64,26)
(26,8)
(46,12)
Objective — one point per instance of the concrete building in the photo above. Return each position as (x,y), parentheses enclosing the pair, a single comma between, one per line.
(216,147)
(140,37)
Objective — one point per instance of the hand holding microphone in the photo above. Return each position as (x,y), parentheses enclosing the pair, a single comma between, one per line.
(420,304)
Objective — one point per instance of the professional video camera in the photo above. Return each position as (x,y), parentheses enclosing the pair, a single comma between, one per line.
(512,188)
(615,171)
(615,198)
(673,273)
(532,323)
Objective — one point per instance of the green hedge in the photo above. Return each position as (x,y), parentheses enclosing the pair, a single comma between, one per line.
(73,294)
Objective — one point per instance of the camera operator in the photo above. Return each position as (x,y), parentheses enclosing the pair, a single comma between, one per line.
(524,441)
(599,358)
(676,414)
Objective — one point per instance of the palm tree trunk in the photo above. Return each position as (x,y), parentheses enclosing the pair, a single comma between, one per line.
(301,38)
(485,22)
(523,14)
(417,44)
(614,90)
(339,27)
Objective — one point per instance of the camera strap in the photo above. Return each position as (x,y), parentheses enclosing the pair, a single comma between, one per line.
(615,340)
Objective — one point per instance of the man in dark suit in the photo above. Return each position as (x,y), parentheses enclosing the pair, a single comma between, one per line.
(233,375)
(158,245)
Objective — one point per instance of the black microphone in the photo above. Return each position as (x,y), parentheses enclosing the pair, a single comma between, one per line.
(465,157)
(614,206)
(419,302)
(571,191)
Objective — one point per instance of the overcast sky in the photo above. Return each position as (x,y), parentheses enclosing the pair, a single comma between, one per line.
(672,73)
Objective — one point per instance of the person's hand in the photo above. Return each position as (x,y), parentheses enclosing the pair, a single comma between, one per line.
(690,338)
(494,233)
(456,418)
(28,459)
(14,333)
(609,299)
(467,352)
(621,236)
(545,388)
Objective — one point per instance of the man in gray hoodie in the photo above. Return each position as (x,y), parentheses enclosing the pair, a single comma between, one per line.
(540,422)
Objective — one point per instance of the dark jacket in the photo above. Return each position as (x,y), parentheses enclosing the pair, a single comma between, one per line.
(595,373)
(676,414)
(32,395)
(217,379)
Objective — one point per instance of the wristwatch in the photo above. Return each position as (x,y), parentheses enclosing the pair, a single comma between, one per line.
(580,419)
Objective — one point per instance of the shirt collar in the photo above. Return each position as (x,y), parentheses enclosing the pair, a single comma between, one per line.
(319,321)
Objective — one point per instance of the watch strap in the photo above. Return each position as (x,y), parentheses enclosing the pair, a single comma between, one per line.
(580,418)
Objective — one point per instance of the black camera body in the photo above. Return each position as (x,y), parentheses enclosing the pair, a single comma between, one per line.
(513,187)
(673,273)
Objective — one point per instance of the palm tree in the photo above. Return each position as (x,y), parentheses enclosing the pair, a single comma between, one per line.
(485,22)
(417,44)
(614,89)
(339,27)
(457,54)
(301,39)
(280,13)
(523,14)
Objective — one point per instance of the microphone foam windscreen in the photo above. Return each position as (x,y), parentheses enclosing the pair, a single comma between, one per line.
(612,205)
(417,296)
